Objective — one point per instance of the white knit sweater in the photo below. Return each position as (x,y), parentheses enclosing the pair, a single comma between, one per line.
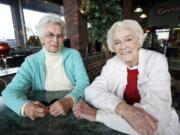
(56,78)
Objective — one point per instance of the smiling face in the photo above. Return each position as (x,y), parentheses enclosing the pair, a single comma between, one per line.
(53,37)
(126,45)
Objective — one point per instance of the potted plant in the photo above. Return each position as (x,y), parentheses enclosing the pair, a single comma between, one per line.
(102,14)
(33,41)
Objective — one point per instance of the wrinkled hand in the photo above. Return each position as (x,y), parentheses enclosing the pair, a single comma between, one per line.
(61,107)
(83,110)
(35,110)
(141,121)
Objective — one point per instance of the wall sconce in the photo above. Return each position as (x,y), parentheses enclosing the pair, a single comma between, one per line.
(138,9)
(142,16)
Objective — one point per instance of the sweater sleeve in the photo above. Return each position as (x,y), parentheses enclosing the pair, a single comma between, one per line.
(79,77)
(156,90)
(14,95)
(101,93)
(114,121)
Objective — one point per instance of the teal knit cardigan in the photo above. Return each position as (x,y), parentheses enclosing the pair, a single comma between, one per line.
(32,74)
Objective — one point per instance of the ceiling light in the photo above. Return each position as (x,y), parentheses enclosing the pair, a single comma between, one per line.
(138,9)
(143,16)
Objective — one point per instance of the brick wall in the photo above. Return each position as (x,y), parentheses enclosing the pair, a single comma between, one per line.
(95,62)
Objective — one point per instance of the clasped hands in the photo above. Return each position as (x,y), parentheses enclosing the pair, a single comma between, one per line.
(36,109)
(141,121)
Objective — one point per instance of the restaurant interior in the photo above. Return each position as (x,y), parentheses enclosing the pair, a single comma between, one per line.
(87,23)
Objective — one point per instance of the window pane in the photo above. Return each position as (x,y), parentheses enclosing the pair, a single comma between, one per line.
(163,34)
(31,18)
(6,25)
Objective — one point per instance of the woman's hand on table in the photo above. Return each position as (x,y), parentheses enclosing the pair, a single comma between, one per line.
(141,121)
(35,110)
(61,107)
(83,110)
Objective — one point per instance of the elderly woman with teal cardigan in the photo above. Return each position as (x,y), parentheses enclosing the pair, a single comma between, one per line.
(53,68)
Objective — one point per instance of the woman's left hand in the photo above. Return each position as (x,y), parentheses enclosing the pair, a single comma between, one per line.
(61,107)
(140,120)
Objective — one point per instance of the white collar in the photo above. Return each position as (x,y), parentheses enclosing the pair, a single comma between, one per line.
(50,53)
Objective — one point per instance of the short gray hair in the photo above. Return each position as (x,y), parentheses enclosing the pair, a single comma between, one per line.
(50,18)
(127,23)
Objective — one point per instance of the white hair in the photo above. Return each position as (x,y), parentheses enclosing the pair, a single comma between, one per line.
(50,18)
(128,23)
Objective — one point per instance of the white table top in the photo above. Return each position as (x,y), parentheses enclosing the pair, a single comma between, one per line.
(9,71)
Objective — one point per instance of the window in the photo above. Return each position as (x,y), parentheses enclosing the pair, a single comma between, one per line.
(6,25)
(163,34)
(31,18)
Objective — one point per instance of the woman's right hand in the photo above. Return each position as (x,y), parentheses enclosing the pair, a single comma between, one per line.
(35,110)
(140,121)
(85,111)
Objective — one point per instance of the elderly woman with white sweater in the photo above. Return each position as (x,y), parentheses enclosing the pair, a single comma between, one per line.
(133,92)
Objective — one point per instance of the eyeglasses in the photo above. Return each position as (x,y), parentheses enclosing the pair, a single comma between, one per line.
(52,36)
